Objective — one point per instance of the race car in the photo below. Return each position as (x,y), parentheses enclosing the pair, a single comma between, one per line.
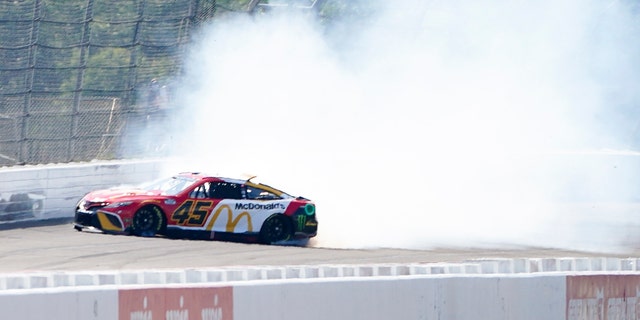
(199,206)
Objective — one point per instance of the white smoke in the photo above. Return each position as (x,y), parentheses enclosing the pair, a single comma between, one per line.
(444,123)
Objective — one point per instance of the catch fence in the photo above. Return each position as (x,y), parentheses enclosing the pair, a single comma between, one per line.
(77,76)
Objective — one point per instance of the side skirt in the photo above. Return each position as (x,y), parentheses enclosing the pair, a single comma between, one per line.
(179,233)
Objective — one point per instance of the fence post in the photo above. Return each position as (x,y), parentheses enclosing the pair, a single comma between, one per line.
(23,155)
(77,94)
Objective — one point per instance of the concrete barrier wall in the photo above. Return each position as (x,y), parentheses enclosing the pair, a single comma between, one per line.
(374,298)
(484,267)
(76,304)
(444,297)
(547,296)
(63,185)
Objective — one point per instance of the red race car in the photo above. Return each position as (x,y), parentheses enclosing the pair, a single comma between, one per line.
(199,206)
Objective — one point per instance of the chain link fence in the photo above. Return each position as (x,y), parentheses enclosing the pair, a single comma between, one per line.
(75,73)
(58,129)
(77,76)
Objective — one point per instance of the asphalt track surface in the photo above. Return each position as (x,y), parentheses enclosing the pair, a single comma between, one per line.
(56,246)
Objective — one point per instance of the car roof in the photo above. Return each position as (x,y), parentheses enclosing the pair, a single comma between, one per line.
(201,176)
(247,181)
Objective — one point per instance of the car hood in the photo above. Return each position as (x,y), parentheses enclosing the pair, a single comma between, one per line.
(110,195)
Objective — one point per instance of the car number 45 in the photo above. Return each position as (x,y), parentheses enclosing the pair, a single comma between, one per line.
(192,213)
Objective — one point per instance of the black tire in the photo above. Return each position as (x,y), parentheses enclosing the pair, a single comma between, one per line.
(275,228)
(148,221)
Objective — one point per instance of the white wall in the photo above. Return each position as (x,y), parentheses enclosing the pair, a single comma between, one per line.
(443,298)
(500,297)
(67,304)
(549,296)
(63,185)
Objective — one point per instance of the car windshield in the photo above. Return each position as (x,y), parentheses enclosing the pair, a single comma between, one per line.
(169,186)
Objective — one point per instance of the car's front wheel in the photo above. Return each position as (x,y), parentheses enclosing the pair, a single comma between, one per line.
(275,228)
(148,221)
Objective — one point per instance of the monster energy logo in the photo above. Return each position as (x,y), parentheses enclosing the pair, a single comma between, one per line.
(302,219)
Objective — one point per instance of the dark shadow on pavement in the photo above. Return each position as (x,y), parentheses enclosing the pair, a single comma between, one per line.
(21,224)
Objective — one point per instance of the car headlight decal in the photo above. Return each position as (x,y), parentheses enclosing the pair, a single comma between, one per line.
(309,209)
(120,204)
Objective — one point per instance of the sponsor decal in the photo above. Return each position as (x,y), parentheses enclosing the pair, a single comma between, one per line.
(231,221)
(176,303)
(302,219)
(106,223)
(259,206)
(603,297)
(197,213)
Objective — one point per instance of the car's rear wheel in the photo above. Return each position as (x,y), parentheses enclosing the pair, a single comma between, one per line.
(148,221)
(275,228)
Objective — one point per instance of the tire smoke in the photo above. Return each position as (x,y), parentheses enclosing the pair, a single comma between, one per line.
(428,124)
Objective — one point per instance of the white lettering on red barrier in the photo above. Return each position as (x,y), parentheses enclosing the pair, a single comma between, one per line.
(176,303)
(180,314)
(214,313)
(143,314)
(603,297)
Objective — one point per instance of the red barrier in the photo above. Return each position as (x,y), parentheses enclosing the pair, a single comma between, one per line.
(214,303)
(603,297)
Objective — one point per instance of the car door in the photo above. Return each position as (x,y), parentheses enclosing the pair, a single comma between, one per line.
(194,211)
(227,214)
